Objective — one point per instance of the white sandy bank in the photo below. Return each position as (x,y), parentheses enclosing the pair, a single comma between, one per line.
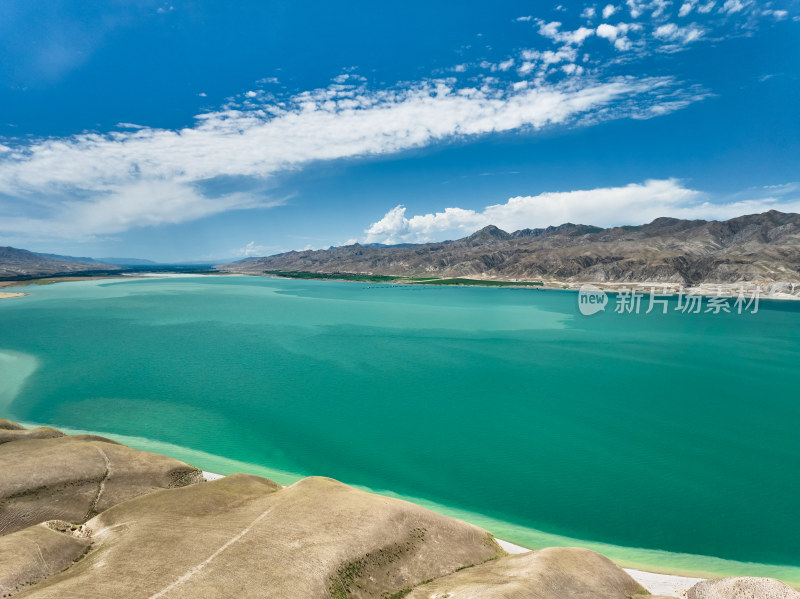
(658,584)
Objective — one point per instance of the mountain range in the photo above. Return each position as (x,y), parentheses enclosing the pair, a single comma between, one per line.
(759,247)
(753,248)
(16,263)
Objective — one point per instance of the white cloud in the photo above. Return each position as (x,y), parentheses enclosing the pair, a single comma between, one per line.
(680,35)
(564,54)
(588,13)
(572,69)
(607,31)
(525,68)
(638,7)
(580,34)
(252,249)
(609,10)
(552,31)
(733,6)
(778,15)
(506,64)
(93,184)
(616,34)
(707,7)
(623,44)
(686,8)
(525,18)
(549,29)
(632,204)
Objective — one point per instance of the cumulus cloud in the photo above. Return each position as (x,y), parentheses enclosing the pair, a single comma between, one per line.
(96,184)
(607,31)
(616,34)
(553,31)
(632,204)
(609,10)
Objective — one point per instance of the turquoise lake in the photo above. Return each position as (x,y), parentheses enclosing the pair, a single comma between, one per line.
(667,442)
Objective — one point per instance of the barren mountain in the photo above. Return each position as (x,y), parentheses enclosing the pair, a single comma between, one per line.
(22,263)
(759,247)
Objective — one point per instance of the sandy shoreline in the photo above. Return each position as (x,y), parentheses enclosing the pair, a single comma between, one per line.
(768,290)
(8,294)
(669,585)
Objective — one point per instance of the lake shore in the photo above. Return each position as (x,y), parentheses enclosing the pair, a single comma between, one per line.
(767,290)
(669,585)
(9,294)
(661,573)
(638,561)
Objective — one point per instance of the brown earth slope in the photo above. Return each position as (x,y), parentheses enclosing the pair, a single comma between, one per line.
(48,476)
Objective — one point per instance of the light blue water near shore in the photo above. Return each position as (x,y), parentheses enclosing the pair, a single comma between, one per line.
(675,434)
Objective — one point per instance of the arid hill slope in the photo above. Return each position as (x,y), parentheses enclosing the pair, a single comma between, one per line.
(15,263)
(760,247)
(86,517)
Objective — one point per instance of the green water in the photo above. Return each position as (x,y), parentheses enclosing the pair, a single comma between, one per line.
(665,441)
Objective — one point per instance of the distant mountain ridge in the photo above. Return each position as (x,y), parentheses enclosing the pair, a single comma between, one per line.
(757,247)
(22,263)
(102,261)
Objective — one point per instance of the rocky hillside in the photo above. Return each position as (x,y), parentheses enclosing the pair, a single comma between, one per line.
(22,263)
(83,516)
(761,247)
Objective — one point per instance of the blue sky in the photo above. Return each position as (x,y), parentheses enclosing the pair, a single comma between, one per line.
(208,130)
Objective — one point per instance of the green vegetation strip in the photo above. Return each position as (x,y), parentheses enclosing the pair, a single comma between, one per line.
(365,278)
(480,283)
(340,276)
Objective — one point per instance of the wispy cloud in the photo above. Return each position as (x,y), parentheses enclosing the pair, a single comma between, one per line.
(680,36)
(632,204)
(99,184)
(650,26)
(252,249)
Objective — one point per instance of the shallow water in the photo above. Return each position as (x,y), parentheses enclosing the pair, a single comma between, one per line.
(676,434)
